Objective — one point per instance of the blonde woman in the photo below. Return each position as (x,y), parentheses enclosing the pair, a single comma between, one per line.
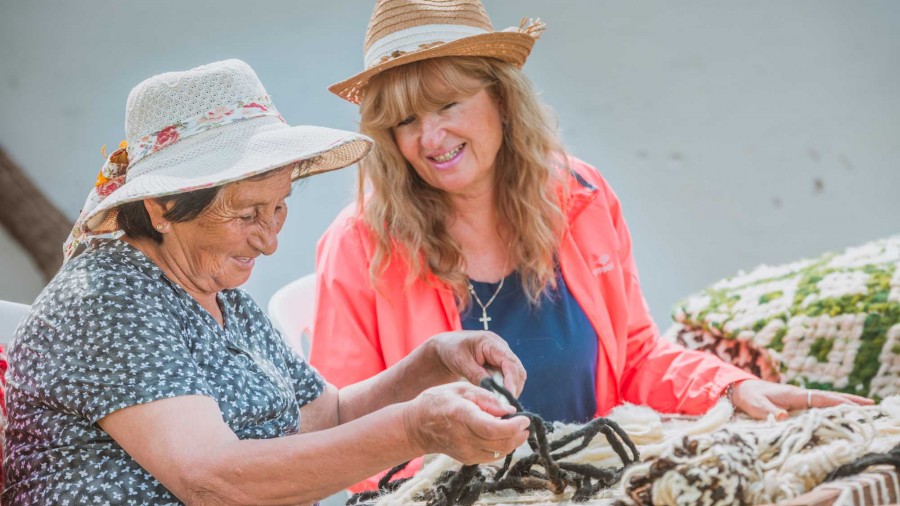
(477,218)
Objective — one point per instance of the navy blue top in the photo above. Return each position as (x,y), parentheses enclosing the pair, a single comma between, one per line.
(555,342)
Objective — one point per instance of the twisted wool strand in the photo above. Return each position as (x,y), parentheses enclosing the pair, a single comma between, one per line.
(644,425)
(712,460)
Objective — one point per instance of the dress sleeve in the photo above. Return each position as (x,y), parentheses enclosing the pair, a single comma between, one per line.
(110,341)
(657,372)
(346,343)
(306,382)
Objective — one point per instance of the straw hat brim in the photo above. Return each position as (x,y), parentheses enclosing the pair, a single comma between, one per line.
(513,47)
(224,155)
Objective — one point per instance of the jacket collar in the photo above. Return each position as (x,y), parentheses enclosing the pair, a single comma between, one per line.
(580,193)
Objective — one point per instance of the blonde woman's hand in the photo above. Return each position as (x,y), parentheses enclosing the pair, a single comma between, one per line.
(463,421)
(469,354)
(760,398)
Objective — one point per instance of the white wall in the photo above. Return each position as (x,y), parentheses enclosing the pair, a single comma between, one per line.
(734,133)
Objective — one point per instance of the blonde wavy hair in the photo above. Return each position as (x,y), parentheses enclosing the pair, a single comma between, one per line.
(405,212)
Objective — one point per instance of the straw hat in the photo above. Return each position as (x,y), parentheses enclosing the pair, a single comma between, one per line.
(405,31)
(201,128)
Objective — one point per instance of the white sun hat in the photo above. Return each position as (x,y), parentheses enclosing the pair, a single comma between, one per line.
(406,31)
(201,128)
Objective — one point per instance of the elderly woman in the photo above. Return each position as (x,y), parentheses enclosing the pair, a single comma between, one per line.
(143,376)
(476,218)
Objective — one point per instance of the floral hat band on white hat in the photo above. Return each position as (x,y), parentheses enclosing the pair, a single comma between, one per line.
(220,116)
(201,128)
(405,31)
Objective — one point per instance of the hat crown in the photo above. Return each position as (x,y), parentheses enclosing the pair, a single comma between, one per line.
(391,18)
(167,99)
(406,31)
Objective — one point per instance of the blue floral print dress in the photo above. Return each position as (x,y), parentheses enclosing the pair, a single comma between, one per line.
(111,331)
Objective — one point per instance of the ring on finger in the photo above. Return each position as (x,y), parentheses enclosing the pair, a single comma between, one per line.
(808,399)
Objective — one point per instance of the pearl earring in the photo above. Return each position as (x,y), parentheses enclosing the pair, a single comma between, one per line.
(159,226)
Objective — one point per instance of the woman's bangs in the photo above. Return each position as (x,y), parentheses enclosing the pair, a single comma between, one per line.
(448,79)
(391,97)
(419,87)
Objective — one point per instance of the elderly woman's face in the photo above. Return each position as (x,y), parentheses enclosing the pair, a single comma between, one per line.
(454,148)
(217,250)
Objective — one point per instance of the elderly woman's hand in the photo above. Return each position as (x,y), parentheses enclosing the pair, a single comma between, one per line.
(463,421)
(760,398)
(469,354)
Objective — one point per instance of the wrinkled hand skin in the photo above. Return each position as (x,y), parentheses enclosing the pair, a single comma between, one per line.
(463,421)
(470,354)
(760,399)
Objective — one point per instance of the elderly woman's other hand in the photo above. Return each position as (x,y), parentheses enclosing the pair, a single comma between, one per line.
(760,398)
(463,421)
(470,354)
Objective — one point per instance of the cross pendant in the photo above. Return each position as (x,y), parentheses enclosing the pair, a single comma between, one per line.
(484,318)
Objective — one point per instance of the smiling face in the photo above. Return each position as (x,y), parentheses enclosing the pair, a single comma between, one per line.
(454,147)
(217,250)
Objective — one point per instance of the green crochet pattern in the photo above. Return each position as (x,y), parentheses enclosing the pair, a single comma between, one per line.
(831,322)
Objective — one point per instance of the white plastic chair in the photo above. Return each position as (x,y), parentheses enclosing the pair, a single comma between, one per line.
(11,313)
(293,310)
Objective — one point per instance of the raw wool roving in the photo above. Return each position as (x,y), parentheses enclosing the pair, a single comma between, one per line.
(713,460)
(751,463)
(831,322)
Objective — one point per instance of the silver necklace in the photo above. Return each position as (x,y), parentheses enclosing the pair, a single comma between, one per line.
(484,316)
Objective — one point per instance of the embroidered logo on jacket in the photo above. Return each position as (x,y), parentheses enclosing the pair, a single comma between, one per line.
(602,265)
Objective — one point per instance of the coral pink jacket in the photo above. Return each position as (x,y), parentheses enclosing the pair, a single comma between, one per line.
(360,331)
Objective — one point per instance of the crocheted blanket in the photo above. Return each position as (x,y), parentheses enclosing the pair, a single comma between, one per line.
(831,322)
(718,459)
